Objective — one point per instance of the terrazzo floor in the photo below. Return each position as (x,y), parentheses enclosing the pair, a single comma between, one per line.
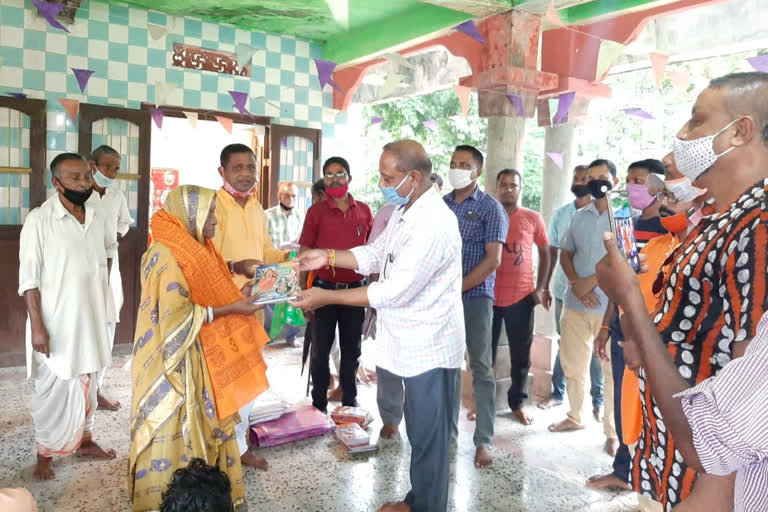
(533,471)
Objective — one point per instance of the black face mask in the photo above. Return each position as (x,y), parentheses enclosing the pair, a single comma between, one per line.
(76,197)
(580,190)
(598,188)
(286,208)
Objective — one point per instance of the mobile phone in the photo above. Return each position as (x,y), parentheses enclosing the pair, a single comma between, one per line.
(623,229)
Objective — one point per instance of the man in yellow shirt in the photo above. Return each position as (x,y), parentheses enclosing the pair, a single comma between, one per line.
(242,237)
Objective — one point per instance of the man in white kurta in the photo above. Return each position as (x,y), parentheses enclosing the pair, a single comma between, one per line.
(64,248)
(104,165)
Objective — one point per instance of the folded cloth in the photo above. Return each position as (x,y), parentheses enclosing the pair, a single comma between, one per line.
(300,423)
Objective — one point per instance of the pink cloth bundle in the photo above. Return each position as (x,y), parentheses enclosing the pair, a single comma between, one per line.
(300,423)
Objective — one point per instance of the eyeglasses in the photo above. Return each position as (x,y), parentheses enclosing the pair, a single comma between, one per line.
(332,175)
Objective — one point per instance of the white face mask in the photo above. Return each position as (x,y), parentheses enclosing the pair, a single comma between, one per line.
(694,157)
(101,180)
(683,190)
(460,178)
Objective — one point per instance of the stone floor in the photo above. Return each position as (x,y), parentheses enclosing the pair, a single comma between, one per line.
(533,471)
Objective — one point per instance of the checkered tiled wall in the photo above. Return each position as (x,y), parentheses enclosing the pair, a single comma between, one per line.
(113,41)
(297,165)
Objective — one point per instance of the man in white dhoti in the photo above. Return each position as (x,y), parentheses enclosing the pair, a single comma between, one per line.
(105,164)
(64,251)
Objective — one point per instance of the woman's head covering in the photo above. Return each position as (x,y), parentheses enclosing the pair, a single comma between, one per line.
(190,204)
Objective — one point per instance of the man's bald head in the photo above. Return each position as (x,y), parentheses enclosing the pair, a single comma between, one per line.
(287,192)
(746,94)
(410,156)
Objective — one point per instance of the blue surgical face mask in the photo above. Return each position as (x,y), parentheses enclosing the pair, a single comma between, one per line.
(392,197)
(101,180)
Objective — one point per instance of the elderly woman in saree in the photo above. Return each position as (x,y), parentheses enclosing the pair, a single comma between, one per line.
(197,355)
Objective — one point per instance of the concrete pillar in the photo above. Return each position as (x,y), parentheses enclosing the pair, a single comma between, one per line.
(505,148)
(556,182)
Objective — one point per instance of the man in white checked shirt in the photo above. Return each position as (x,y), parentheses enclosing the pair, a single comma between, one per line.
(420,326)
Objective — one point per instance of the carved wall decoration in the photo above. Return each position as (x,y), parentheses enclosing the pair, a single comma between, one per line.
(193,57)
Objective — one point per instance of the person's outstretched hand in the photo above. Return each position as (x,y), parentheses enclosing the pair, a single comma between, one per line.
(313,259)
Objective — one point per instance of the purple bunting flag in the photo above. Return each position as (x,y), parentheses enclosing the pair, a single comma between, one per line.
(469,28)
(157,116)
(19,95)
(240,99)
(324,71)
(563,106)
(517,101)
(49,11)
(637,112)
(82,75)
(430,125)
(376,120)
(760,63)
(557,157)
(284,142)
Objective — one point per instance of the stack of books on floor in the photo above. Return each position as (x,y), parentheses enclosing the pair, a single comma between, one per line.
(347,414)
(354,439)
(267,411)
(299,422)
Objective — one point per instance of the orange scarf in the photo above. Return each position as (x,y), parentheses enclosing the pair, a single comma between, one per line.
(231,344)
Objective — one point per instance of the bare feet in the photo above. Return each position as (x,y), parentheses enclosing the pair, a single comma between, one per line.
(565,426)
(611,446)
(388,431)
(597,414)
(106,403)
(255,461)
(609,481)
(88,448)
(395,507)
(483,457)
(335,395)
(472,414)
(43,469)
(548,404)
(522,417)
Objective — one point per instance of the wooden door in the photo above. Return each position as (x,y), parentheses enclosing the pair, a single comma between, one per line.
(129,132)
(22,188)
(294,156)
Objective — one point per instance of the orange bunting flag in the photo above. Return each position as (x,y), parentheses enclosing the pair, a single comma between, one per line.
(552,17)
(659,64)
(226,122)
(71,107)
(463,95)
(680,78)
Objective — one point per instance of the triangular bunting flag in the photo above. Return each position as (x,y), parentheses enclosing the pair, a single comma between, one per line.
(563,106)
(226,122)
(607,56)
(339,11)
(49,11)
(760,62)
(390,84)
(19,95)
(556,157)
(324,71)
(680,78)
(240,99)
(659,64)
(192,118)
(245,53)
(517,101)
(82,75)
(430,125)
(376,120)
(637,112)
(71,107)
(463,94)
(552,17)
(156,31)
(399,60)
(469,28)
(157,116)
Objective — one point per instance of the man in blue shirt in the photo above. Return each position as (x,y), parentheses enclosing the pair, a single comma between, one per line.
(483,224)
(585,303)
(561,221)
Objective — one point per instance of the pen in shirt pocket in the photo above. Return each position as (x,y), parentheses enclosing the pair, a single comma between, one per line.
(358,230)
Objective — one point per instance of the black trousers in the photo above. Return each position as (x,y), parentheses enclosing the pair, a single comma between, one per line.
(350,322)
(518,322)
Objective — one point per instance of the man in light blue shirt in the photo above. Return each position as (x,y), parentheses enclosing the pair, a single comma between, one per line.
(585,304)
(561,221)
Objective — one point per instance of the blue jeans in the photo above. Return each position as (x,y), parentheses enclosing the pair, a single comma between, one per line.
(595,371)
(621,461)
